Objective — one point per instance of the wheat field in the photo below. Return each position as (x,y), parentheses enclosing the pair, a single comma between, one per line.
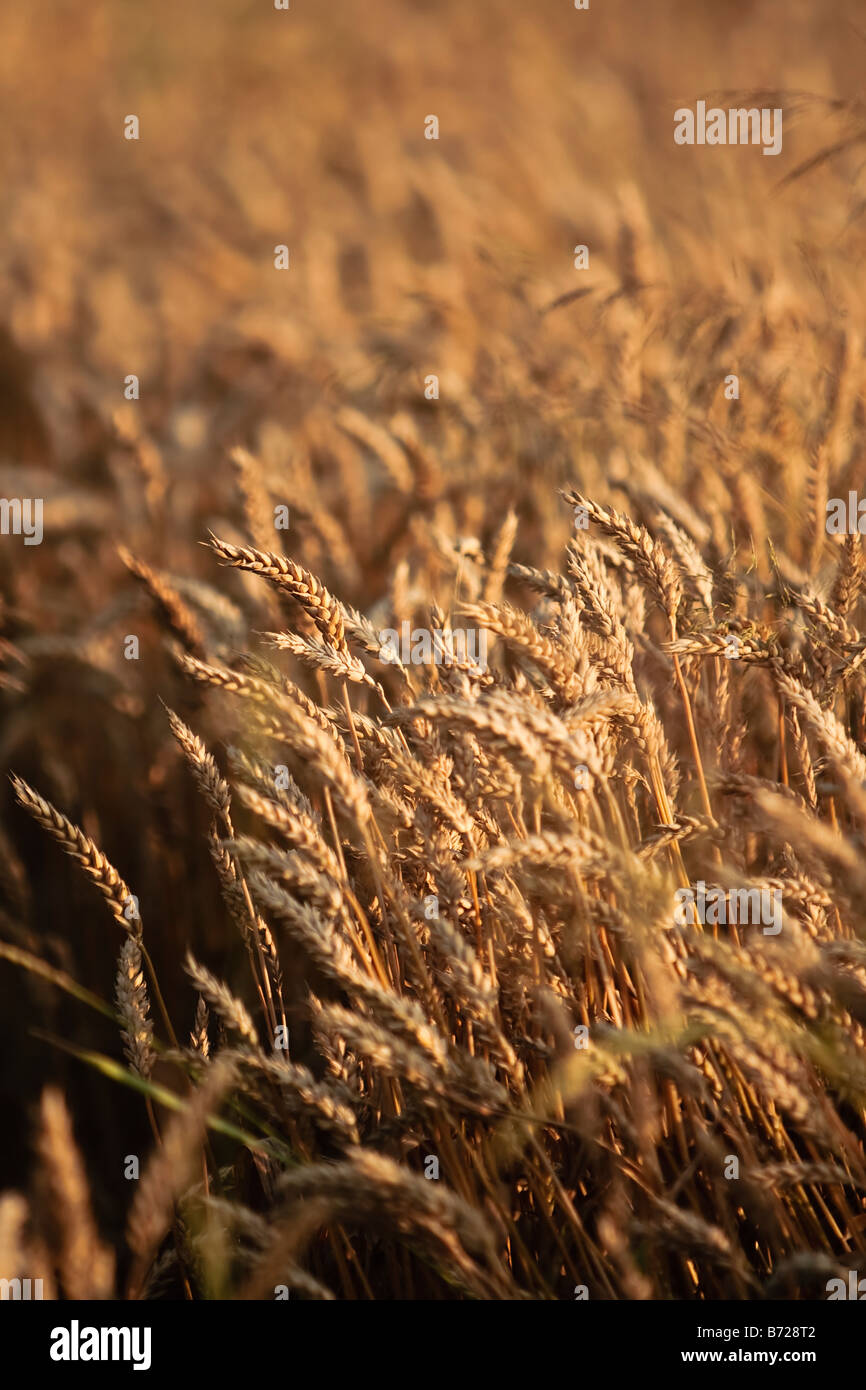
(447,664)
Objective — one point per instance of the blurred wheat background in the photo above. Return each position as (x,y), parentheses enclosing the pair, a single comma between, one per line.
(306,388)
